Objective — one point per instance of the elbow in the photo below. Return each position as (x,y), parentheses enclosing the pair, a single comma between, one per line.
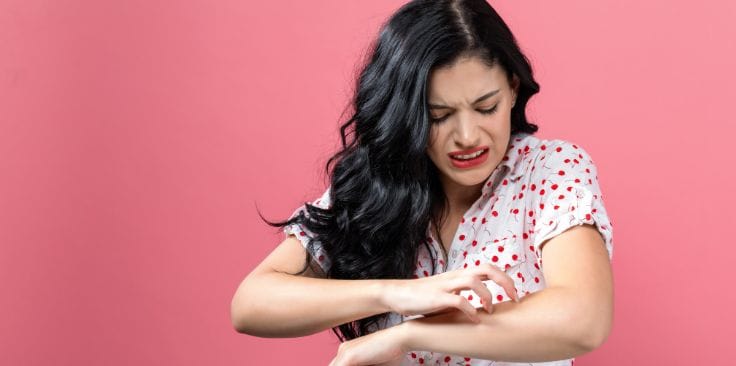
(236,320)
(238,325)
(594,337)
(238,317)
(593,330)
(588,321)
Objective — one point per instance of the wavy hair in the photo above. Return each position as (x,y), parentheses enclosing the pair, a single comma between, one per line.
(384,189)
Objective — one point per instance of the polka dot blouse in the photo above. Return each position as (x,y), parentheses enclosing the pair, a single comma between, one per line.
(540,189)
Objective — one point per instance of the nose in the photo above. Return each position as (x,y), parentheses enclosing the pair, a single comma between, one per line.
(466,131)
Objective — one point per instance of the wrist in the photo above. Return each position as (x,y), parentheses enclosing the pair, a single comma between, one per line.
(403,336)
(384,291)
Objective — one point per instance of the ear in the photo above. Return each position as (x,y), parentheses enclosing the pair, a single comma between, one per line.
(515,84)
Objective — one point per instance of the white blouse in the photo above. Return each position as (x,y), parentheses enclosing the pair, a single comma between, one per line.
(540,189)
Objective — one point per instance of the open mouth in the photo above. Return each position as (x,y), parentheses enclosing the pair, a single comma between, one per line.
(469,161)
(469,157)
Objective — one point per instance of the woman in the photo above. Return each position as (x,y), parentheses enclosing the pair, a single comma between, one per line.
(427,246)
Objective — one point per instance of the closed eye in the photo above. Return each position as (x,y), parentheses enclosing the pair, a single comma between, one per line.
(489,111)
(483,111)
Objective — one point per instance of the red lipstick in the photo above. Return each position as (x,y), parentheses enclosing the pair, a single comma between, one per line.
(470,158)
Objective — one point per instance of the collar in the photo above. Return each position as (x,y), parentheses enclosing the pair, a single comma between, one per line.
(510,166)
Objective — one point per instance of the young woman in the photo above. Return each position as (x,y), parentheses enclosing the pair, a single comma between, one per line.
(449,234)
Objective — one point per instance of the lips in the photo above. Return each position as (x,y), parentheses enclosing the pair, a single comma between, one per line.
(468,163)
(456,154)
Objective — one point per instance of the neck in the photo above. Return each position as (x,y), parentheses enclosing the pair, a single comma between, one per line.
(460,197)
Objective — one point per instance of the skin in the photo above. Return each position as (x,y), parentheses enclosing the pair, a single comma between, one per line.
(463,125)
(453,98)
(570,317)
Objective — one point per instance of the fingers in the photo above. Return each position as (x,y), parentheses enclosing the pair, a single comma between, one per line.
(473,281)
(484,293)
(463,305)
(501,278)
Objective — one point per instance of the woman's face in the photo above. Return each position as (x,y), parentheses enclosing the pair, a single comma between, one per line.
(473,103)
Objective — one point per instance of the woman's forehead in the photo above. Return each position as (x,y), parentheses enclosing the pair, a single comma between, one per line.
(464,82)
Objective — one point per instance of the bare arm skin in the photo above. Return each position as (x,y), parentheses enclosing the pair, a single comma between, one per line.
(280,305)
(572,316)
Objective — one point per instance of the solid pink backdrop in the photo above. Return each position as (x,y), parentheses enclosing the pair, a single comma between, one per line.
(137,139)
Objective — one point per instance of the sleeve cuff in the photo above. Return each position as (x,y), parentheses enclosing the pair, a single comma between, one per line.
(586,208)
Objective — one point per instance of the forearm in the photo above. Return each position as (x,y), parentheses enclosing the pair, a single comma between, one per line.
(541,327)
(281,305)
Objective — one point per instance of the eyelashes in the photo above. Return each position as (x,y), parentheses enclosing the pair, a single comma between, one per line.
(489,111)
(482,111)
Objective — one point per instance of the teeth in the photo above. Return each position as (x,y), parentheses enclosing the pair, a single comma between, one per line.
(471,156)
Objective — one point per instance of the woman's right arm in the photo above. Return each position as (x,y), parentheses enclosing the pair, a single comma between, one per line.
(272,304)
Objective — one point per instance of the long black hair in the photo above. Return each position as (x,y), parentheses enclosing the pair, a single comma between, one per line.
(384,189)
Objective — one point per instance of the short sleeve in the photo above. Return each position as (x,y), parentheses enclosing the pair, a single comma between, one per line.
(305,236)
(567,194)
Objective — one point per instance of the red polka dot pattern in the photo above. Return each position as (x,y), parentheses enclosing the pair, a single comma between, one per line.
(540,189)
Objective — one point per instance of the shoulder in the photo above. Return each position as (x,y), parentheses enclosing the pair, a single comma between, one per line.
(566,192)
(554,147)
(559,157)
(530,155)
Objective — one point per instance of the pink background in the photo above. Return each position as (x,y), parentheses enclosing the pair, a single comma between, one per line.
(138,137)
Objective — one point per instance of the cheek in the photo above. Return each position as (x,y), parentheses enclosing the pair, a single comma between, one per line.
(432,140)
(432,152)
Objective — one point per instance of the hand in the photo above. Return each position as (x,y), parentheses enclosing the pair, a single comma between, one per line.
(434,294)
(385,347)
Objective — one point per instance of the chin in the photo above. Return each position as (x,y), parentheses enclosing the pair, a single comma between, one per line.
(473,178)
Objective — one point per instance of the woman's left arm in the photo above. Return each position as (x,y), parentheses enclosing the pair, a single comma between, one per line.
(571,316)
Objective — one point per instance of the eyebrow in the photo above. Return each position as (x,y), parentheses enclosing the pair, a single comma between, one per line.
(481,98)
